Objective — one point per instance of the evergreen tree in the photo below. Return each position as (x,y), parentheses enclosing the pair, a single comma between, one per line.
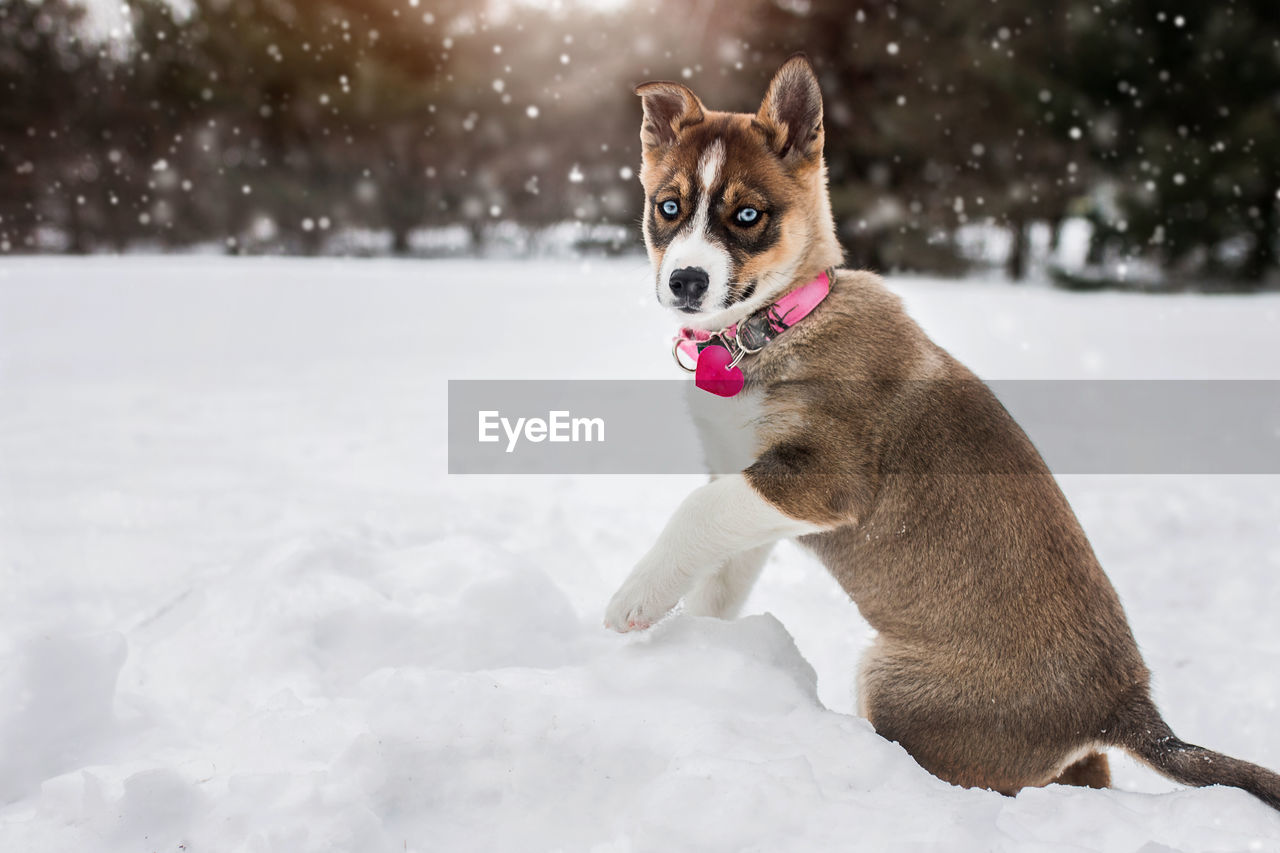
(1187,126)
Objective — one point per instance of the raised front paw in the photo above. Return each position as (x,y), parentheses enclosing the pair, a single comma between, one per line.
(635,606)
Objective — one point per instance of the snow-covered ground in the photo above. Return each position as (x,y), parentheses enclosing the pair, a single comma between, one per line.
(244,607)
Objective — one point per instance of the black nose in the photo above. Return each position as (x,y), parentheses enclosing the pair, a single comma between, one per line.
(689,283)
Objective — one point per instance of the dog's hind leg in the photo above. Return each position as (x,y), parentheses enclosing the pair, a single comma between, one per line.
(723,593)
(1092,771)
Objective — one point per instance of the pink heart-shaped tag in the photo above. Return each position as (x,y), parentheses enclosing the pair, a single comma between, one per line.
(714,373)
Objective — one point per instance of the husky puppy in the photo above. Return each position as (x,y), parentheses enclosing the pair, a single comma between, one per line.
(1003,658)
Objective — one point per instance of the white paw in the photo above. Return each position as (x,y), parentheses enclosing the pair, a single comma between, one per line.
(636,605)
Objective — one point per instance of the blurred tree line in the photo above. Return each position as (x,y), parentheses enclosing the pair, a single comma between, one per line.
(310,126)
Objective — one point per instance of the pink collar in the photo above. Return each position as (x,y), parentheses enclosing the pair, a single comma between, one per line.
(716,367)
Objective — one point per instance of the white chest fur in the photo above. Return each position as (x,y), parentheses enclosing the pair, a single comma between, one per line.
(728,428)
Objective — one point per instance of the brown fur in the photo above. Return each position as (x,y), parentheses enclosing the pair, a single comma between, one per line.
(1092,771)
(1003,659)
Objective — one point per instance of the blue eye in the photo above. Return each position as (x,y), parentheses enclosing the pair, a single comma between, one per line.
(670,209)
(748,215)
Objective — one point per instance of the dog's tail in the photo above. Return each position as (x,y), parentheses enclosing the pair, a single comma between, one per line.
(1141,730)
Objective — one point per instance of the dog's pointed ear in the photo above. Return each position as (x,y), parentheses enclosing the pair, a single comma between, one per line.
(791,115)
(668,109)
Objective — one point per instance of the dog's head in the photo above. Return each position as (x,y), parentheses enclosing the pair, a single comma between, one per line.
(736,204)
